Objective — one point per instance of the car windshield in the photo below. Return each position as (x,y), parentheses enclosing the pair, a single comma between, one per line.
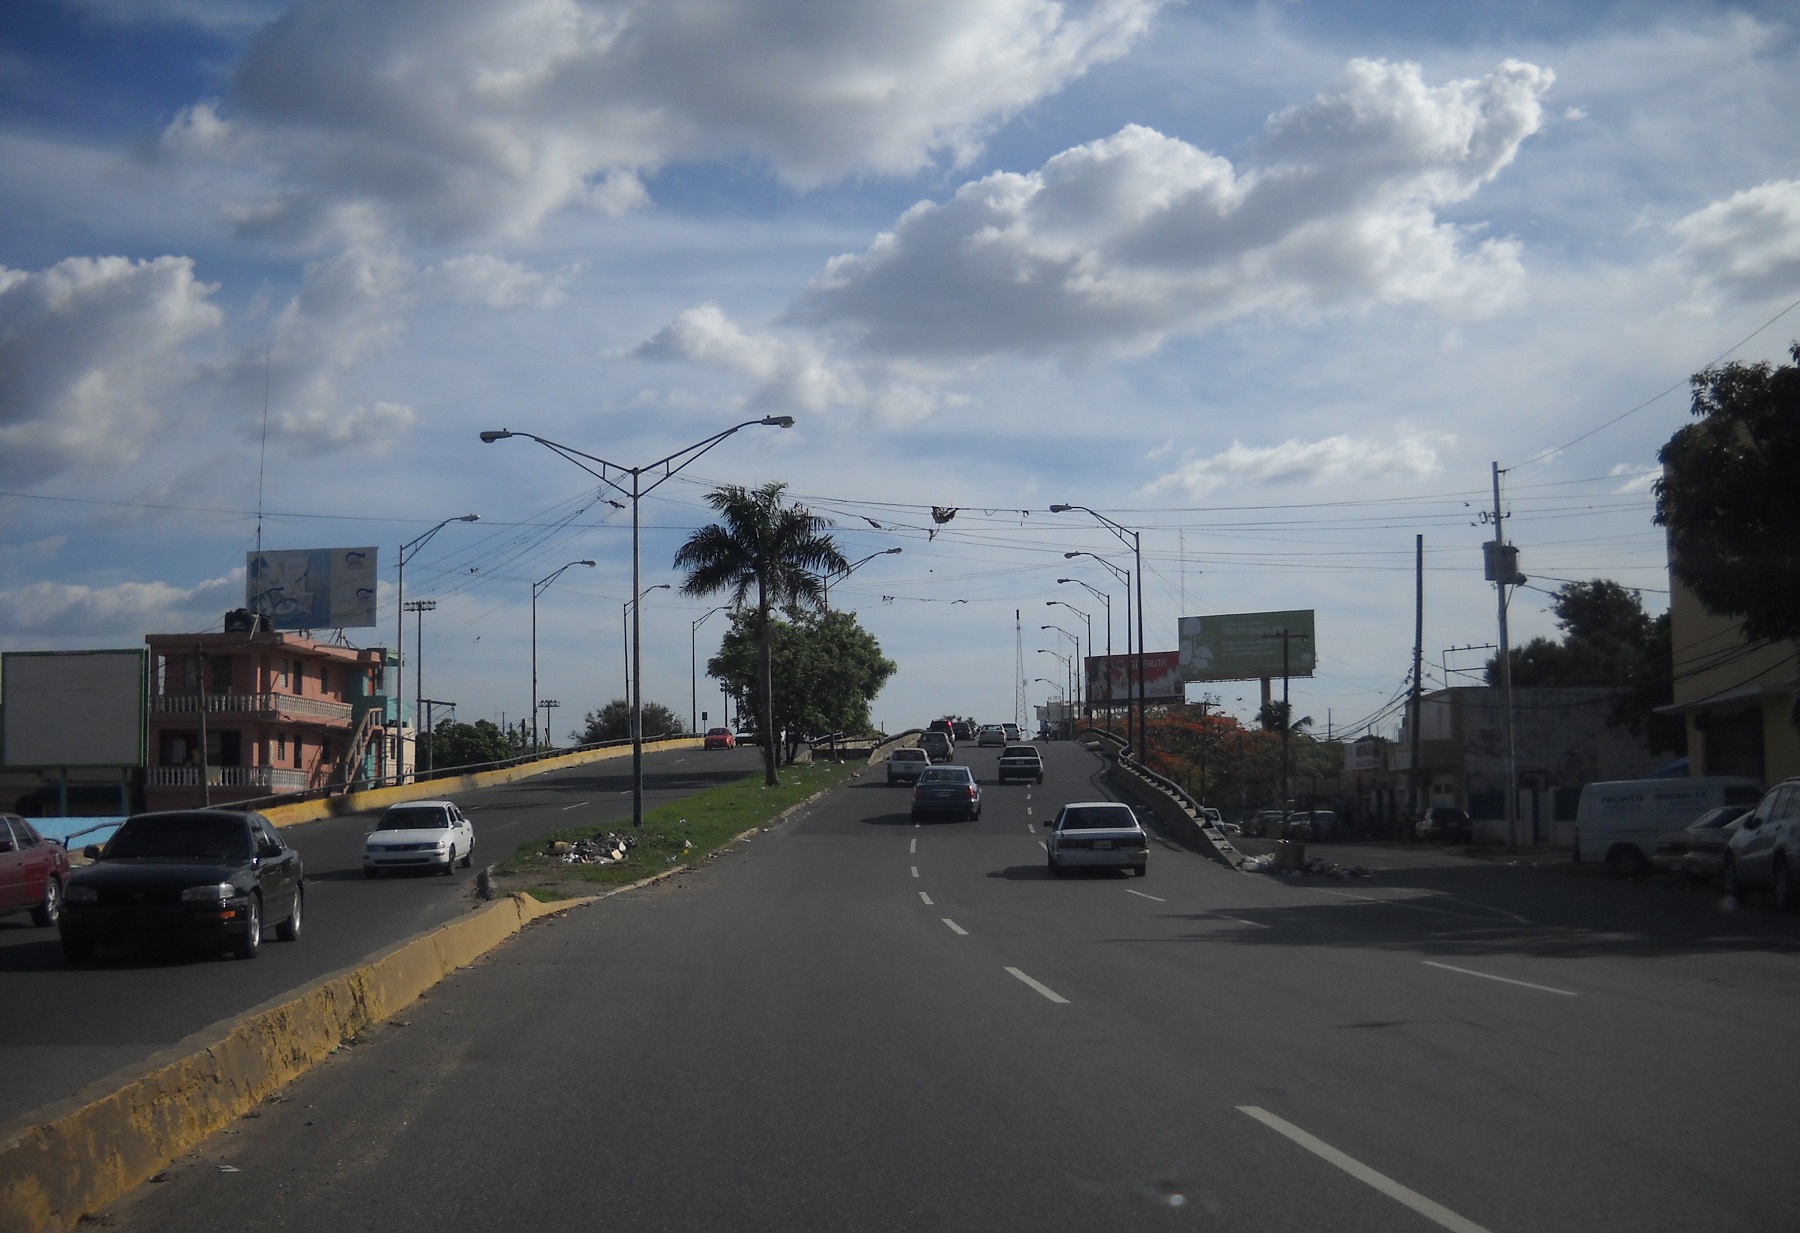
(1097,818)
(414,820)
(946,774)
(194,836)
(1019,751)
(908,755)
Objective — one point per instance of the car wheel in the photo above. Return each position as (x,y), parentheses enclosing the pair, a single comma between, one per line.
(247,946)
(45,913)
(1728,877)
(1787,894)
(469,856)
(1625,861)
(289,929)
(1055,869)
(77,949)
(1140,870)
(450,865)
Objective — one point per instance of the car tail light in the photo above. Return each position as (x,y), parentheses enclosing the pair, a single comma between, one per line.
(971,793)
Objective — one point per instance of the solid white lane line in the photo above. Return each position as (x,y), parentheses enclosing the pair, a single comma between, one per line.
(915,870)
(566,808)
(1505,980)
(926,898)
(1142,895)
(1434,1212)
(915,845)
(955,928)
(1241,921)
(1046,990)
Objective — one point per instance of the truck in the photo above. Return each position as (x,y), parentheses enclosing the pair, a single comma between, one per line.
(1618,821)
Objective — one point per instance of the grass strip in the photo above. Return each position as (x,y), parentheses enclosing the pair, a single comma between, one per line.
(682,832)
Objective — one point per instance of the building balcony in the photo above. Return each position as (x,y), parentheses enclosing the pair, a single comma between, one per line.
(270,708)
(272,779)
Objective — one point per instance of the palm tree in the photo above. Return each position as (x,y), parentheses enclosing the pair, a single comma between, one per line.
(781,551)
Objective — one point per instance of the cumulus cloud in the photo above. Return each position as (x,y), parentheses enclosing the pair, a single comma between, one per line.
(1302,462)
(482,278)
(124,610)
(92,351)
(459,116)
(1747,244)
(1118,243)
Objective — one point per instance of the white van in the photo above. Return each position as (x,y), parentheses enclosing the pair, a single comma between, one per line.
(1618,822)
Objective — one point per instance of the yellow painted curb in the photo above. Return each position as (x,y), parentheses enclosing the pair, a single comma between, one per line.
(67,1159)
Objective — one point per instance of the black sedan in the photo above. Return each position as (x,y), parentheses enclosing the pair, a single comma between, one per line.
(208,877)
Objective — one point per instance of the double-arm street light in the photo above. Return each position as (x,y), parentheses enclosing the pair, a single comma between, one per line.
(1074,659)
(694,658)
(1087,694)
(1106,599)
(1135,541)
(538,588)
(628,627)
(610,473)
(1124,576)
(825,579)
(411,546)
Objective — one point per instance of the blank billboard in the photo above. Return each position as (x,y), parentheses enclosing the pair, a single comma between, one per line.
(1245,646)
(312,588)
(73,708)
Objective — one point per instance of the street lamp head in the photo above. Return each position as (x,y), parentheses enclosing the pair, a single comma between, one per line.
(1067,555)
(892,551)
(495,434)
(1061,509)
(778,421)
(469,518)
(584,562)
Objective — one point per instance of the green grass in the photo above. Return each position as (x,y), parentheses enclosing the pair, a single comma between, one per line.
(707,820)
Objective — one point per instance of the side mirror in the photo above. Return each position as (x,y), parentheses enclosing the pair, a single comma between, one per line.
(92,851)
(6,845)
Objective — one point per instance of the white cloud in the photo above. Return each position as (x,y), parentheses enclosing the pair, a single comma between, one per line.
(92,353)
(225,16)
(482,278)
(1120,242)
(459,116)
(1748,243)
(124,610)
(1303,462)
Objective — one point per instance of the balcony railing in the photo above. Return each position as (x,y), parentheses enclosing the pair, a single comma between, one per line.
(267,705)
(272,778)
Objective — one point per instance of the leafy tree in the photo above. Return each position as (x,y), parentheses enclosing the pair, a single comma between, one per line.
(764,547)
(612,722)
(1728,496)
(1270,716)
(451,744)
(826,668)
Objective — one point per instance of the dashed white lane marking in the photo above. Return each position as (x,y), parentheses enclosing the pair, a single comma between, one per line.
(1434,1212)
(915,846)
(955,928)
(1030,829)
(1028,811)
(915,870)
(926,898)
(1046,990)
(1238,920)
(578,805)
(1043,845)
(1505,980)
(1142,895)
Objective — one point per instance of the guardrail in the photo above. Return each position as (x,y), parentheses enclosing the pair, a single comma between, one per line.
(1172,804)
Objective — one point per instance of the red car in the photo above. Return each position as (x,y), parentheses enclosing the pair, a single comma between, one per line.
(33,871)
(720,738)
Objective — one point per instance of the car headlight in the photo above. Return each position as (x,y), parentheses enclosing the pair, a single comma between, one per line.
(216,893)
(81,894)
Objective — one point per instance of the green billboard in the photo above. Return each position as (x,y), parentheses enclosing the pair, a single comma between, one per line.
(1245,646)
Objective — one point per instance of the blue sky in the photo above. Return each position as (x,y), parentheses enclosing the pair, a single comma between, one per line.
(1275,283)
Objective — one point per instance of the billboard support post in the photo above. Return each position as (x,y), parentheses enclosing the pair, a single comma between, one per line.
(1287,721)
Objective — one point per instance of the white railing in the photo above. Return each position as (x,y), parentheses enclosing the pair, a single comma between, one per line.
(273,778)
(259,704)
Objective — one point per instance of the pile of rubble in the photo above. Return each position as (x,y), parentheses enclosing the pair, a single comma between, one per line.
(607,849)
(1317,867)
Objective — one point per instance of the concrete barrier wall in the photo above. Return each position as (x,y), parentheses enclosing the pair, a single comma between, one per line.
(1174,813)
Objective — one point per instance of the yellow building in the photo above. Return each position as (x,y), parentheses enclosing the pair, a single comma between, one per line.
(1738,698)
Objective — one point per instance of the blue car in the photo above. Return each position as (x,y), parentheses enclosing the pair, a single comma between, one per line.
(947,791)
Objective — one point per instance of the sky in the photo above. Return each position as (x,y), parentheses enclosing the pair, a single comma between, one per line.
(1273,285)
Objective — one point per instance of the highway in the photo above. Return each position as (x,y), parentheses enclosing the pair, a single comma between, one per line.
(62,1028)
(856,1022)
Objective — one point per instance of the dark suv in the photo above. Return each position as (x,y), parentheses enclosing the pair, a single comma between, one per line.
(1445,823)
(938,746)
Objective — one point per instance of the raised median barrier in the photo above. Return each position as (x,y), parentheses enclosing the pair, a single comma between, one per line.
(1173,809)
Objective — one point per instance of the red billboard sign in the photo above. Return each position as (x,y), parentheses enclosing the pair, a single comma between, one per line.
(1115,677)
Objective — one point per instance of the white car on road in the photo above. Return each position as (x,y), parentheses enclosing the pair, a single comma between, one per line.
(419,835)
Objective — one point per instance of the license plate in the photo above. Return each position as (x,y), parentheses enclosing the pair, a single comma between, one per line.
(1102,845)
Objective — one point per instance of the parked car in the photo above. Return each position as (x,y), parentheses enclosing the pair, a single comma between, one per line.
(1619,821)
(33,871)
(906,765)
(1021,762)
(1216,820)
(1097,833)
(947,790)
(1765,851)
(990,734)
(720,738)
(1711,830)
(1444,824)
(202,876)
(419,835)
(1263,821)
(938,746)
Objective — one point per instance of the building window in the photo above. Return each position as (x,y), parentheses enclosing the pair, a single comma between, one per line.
(297,743)
(324,678)
(281,748)
(282,671)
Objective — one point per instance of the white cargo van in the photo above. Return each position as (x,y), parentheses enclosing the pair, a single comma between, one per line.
(1618,822)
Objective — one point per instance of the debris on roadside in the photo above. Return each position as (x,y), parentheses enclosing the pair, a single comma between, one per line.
(1317,867)
(607,849)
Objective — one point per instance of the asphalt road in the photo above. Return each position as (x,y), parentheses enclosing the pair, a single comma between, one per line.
(62,1028)
(853,1022)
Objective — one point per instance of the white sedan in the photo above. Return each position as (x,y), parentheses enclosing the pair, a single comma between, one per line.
(1097,833)
(419,835)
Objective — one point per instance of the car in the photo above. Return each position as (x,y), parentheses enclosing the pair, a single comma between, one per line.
(906,765)
(419,835)
(1321,824)
(947,790)
(1021,762)
(1711,831)
(938,746)
(1263,821)
(1012,732)
(1765,851)
(33,871)
(1213,818)
(1619,821)
(1104,834)
(990,734)
(1443,822)
(720,738)
(962,730)
(206,877)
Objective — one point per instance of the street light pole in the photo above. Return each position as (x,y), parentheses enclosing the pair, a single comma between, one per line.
(669,466)
(420,607)
(400,636)
(1124,576)
(1068,673)
(634,687)
(536,589)
(1106,599)
(694,664)
(825,579)
(1074,690)
(1087,694)
(1136,543)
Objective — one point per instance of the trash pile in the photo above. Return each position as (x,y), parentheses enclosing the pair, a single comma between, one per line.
(1317,867)
(607,849)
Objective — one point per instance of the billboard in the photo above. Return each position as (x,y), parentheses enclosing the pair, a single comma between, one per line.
(1244,646)
(312,588)
(73,708)
(1119,672)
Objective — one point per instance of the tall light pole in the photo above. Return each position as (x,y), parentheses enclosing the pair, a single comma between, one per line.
(1135,541)
(825,579)
(1106,599)
(1124,576)
(1068,691)
(668,466)
(538,588)
(694,663)
(628,626)
(1087,695)
(400,634)
(1052,684)
(421,607)
(1074,677)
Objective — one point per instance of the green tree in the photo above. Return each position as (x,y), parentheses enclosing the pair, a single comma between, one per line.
(451,744)
(1728,497)
(826,669)
(766,548)
(612,722)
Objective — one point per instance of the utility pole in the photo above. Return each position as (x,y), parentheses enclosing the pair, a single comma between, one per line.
(1287,723)
(1503,571)
(546,706)
(1414,805)
(421,607)
(205,769)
